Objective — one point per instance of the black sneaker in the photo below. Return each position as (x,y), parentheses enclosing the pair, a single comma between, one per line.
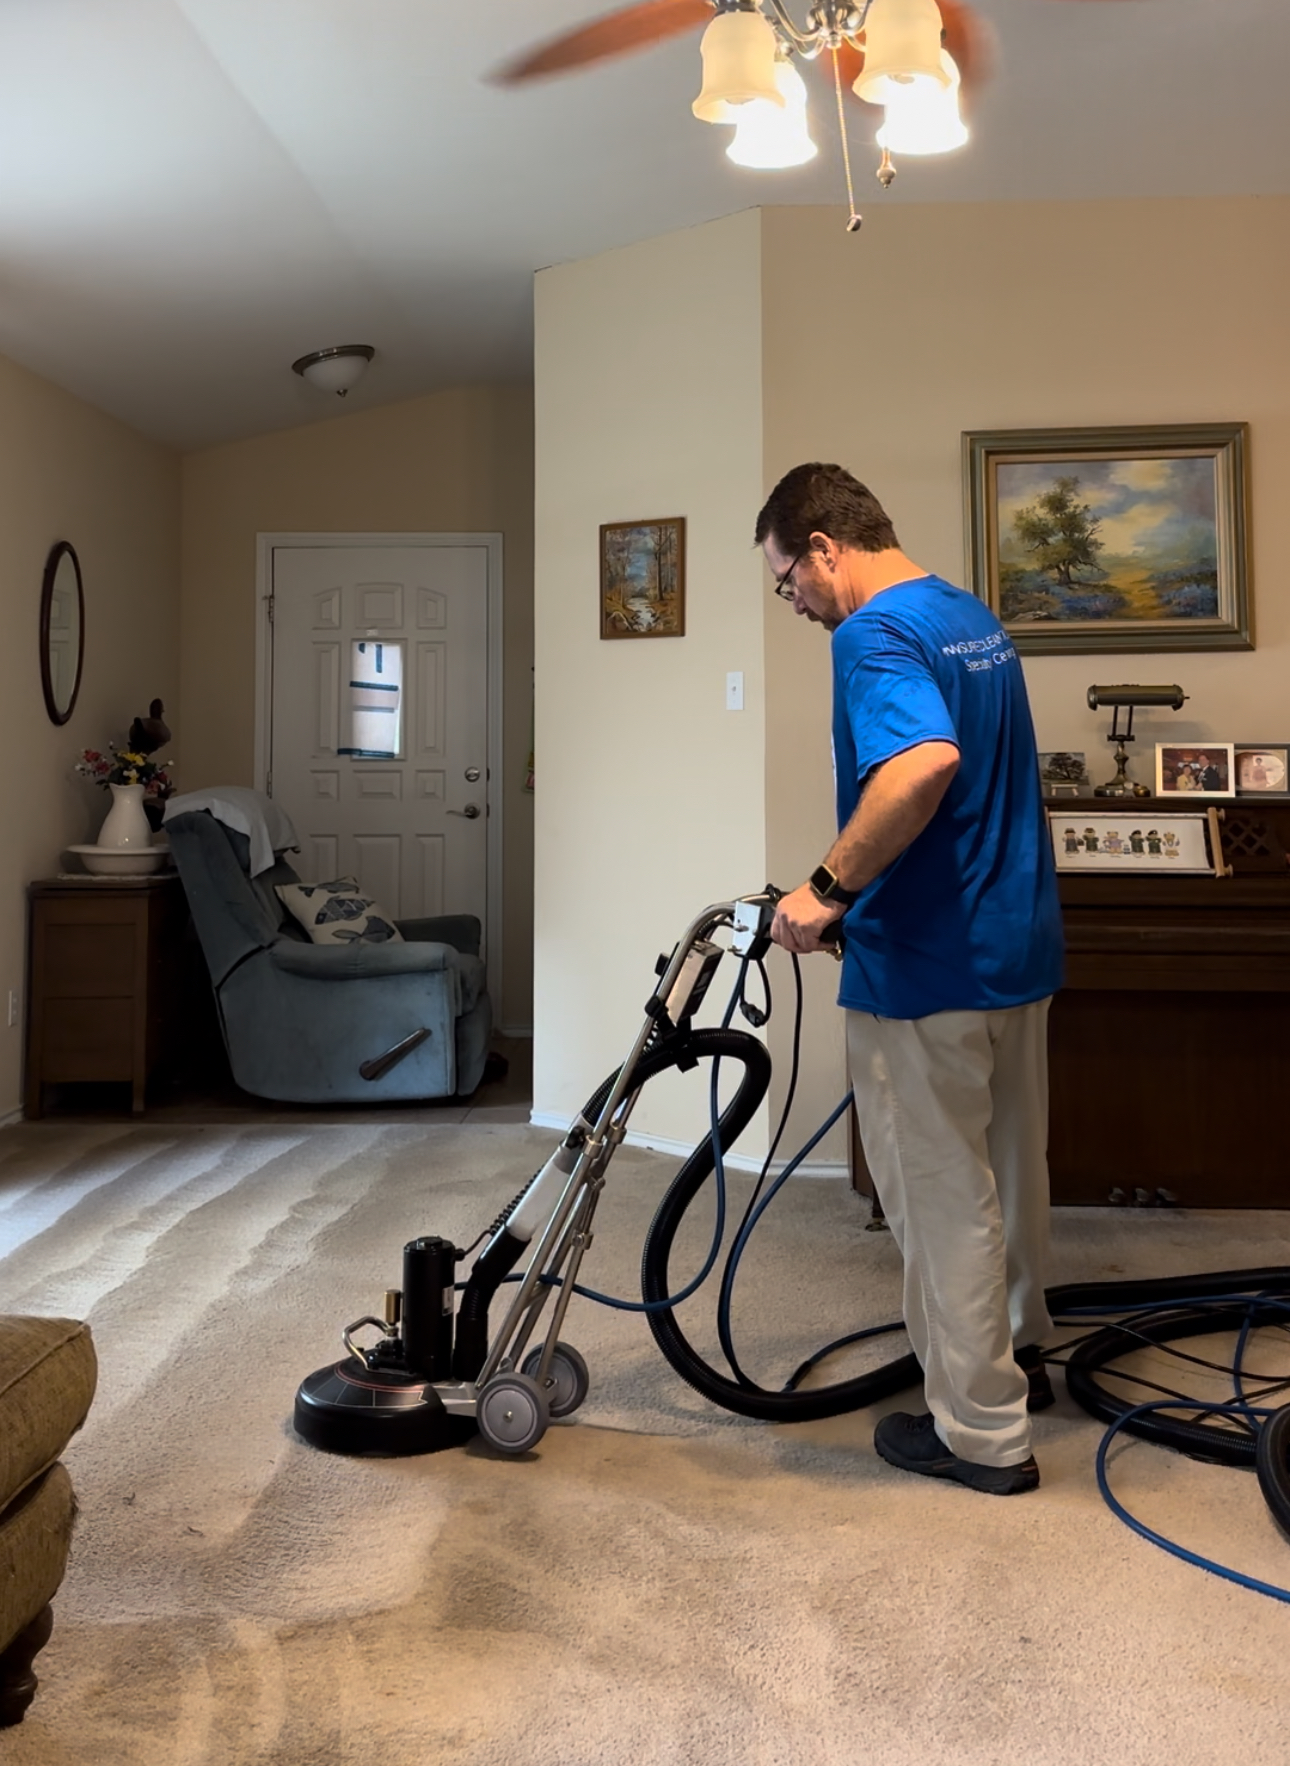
(1031,1362)
(911,1442)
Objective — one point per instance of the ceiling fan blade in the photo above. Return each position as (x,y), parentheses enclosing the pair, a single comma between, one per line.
(968,41)
(635,27)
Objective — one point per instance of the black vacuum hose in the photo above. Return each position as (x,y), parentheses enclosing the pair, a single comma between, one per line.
(1197,1439)
(1272,1462)
(753,1401)
(1211,1442)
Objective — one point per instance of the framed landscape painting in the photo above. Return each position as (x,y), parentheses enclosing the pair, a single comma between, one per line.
(1087,540)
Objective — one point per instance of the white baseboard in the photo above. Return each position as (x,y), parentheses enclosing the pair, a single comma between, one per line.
(13,1116)
(657,1143)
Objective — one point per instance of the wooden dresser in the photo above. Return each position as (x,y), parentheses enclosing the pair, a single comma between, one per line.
(103,987)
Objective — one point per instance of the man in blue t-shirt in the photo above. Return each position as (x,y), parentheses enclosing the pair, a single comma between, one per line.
(942,875)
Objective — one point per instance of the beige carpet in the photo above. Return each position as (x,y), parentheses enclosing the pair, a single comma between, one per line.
(660,1582)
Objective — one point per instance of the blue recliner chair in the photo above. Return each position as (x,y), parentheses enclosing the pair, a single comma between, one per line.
(329,1024)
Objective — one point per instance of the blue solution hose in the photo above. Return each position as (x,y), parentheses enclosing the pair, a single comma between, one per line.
(1272,1589)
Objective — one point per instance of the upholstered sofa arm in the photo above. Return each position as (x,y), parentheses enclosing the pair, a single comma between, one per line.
(461,931)
(359,961)
(48,1371)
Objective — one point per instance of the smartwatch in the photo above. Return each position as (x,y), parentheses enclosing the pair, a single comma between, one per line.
(824,884)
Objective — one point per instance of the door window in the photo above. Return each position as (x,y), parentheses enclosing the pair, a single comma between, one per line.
(375,700)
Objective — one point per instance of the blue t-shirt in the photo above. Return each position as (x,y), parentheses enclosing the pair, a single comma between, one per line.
(967,918)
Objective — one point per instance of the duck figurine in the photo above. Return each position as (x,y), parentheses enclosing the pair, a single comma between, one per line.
(147,734)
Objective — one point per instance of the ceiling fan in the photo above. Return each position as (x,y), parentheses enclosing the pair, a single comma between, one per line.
(912,57)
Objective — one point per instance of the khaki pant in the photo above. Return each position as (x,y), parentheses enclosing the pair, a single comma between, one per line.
(953,1115)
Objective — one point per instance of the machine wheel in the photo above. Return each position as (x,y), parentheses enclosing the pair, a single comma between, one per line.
(569,1378)
(512,1413)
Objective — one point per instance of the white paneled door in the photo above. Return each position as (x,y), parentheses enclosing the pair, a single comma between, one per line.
(379,724)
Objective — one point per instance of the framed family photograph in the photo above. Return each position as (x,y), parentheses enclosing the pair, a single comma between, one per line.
(642,579)
(1127,844)
(1129,538)
(1195,769)
(1263,767)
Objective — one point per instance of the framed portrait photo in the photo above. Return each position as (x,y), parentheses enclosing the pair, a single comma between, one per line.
(1263,767)
(642,579)
(1128,538)
(1195,769)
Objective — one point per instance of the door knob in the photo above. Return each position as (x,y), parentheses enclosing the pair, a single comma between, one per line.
(471,811)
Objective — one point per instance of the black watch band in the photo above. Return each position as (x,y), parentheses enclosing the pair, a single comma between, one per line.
(824,883)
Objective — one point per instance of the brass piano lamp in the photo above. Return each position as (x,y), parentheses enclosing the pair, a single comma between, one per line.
(1128,696)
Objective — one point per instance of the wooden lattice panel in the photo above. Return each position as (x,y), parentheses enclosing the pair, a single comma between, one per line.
(1250,843)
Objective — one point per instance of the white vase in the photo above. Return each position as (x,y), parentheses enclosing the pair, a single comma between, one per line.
(126,824)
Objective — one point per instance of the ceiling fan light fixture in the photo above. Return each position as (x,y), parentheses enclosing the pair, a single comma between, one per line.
(335,370)
(902,51)
(768,138)
(738,51)
(925,119)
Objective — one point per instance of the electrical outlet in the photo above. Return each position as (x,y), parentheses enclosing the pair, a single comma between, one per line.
(14,1004)
(735,690)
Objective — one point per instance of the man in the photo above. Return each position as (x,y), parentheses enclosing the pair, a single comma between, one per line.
(1208,777)
(942,873)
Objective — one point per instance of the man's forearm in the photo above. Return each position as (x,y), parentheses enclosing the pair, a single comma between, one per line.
(900,800)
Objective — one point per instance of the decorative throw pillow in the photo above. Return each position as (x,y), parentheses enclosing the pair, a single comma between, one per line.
(336,913)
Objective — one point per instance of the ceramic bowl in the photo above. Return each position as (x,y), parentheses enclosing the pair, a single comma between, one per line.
(121,861)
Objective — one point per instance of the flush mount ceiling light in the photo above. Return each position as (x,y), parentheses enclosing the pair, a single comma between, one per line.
(335,370)
(910,56)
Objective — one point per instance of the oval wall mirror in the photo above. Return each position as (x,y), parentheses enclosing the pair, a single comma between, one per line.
(62,631)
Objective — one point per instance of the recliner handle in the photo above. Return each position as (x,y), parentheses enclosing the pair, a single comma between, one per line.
(378,1068)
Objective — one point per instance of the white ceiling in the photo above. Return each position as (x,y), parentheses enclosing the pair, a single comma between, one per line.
(195,192)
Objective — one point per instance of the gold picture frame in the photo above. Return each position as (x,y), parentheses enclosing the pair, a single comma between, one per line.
(1117,539)
(642,578)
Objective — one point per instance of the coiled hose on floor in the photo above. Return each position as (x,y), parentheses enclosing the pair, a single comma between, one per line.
(1200,1440)
(1272,1461)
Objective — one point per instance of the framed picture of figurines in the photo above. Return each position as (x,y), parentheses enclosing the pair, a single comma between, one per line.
(1125,843)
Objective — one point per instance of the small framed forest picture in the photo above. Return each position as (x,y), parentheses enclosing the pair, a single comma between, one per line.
(642,579)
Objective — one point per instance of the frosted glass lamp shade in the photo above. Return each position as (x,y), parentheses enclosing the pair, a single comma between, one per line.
(902,48)
(768,138)
(925,119)
(738,50)
(335,370)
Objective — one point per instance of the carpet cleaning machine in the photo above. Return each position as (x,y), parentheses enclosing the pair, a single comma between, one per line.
(434,1376)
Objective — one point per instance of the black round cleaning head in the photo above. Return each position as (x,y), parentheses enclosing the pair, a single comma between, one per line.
(349,1408)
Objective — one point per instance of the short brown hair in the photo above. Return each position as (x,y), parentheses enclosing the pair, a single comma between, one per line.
(816,498)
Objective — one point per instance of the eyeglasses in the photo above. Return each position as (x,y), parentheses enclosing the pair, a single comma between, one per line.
(782,588)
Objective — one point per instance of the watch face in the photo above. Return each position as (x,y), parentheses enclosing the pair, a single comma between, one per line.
(823,882)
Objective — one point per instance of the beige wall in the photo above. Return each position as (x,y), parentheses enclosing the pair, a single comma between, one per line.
(1021,315)
(454,462)
(67,472)
(649,793)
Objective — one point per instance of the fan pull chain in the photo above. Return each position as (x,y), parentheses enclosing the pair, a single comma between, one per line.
(857,221)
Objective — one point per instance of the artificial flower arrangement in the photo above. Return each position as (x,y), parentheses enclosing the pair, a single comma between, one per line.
(126,766)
